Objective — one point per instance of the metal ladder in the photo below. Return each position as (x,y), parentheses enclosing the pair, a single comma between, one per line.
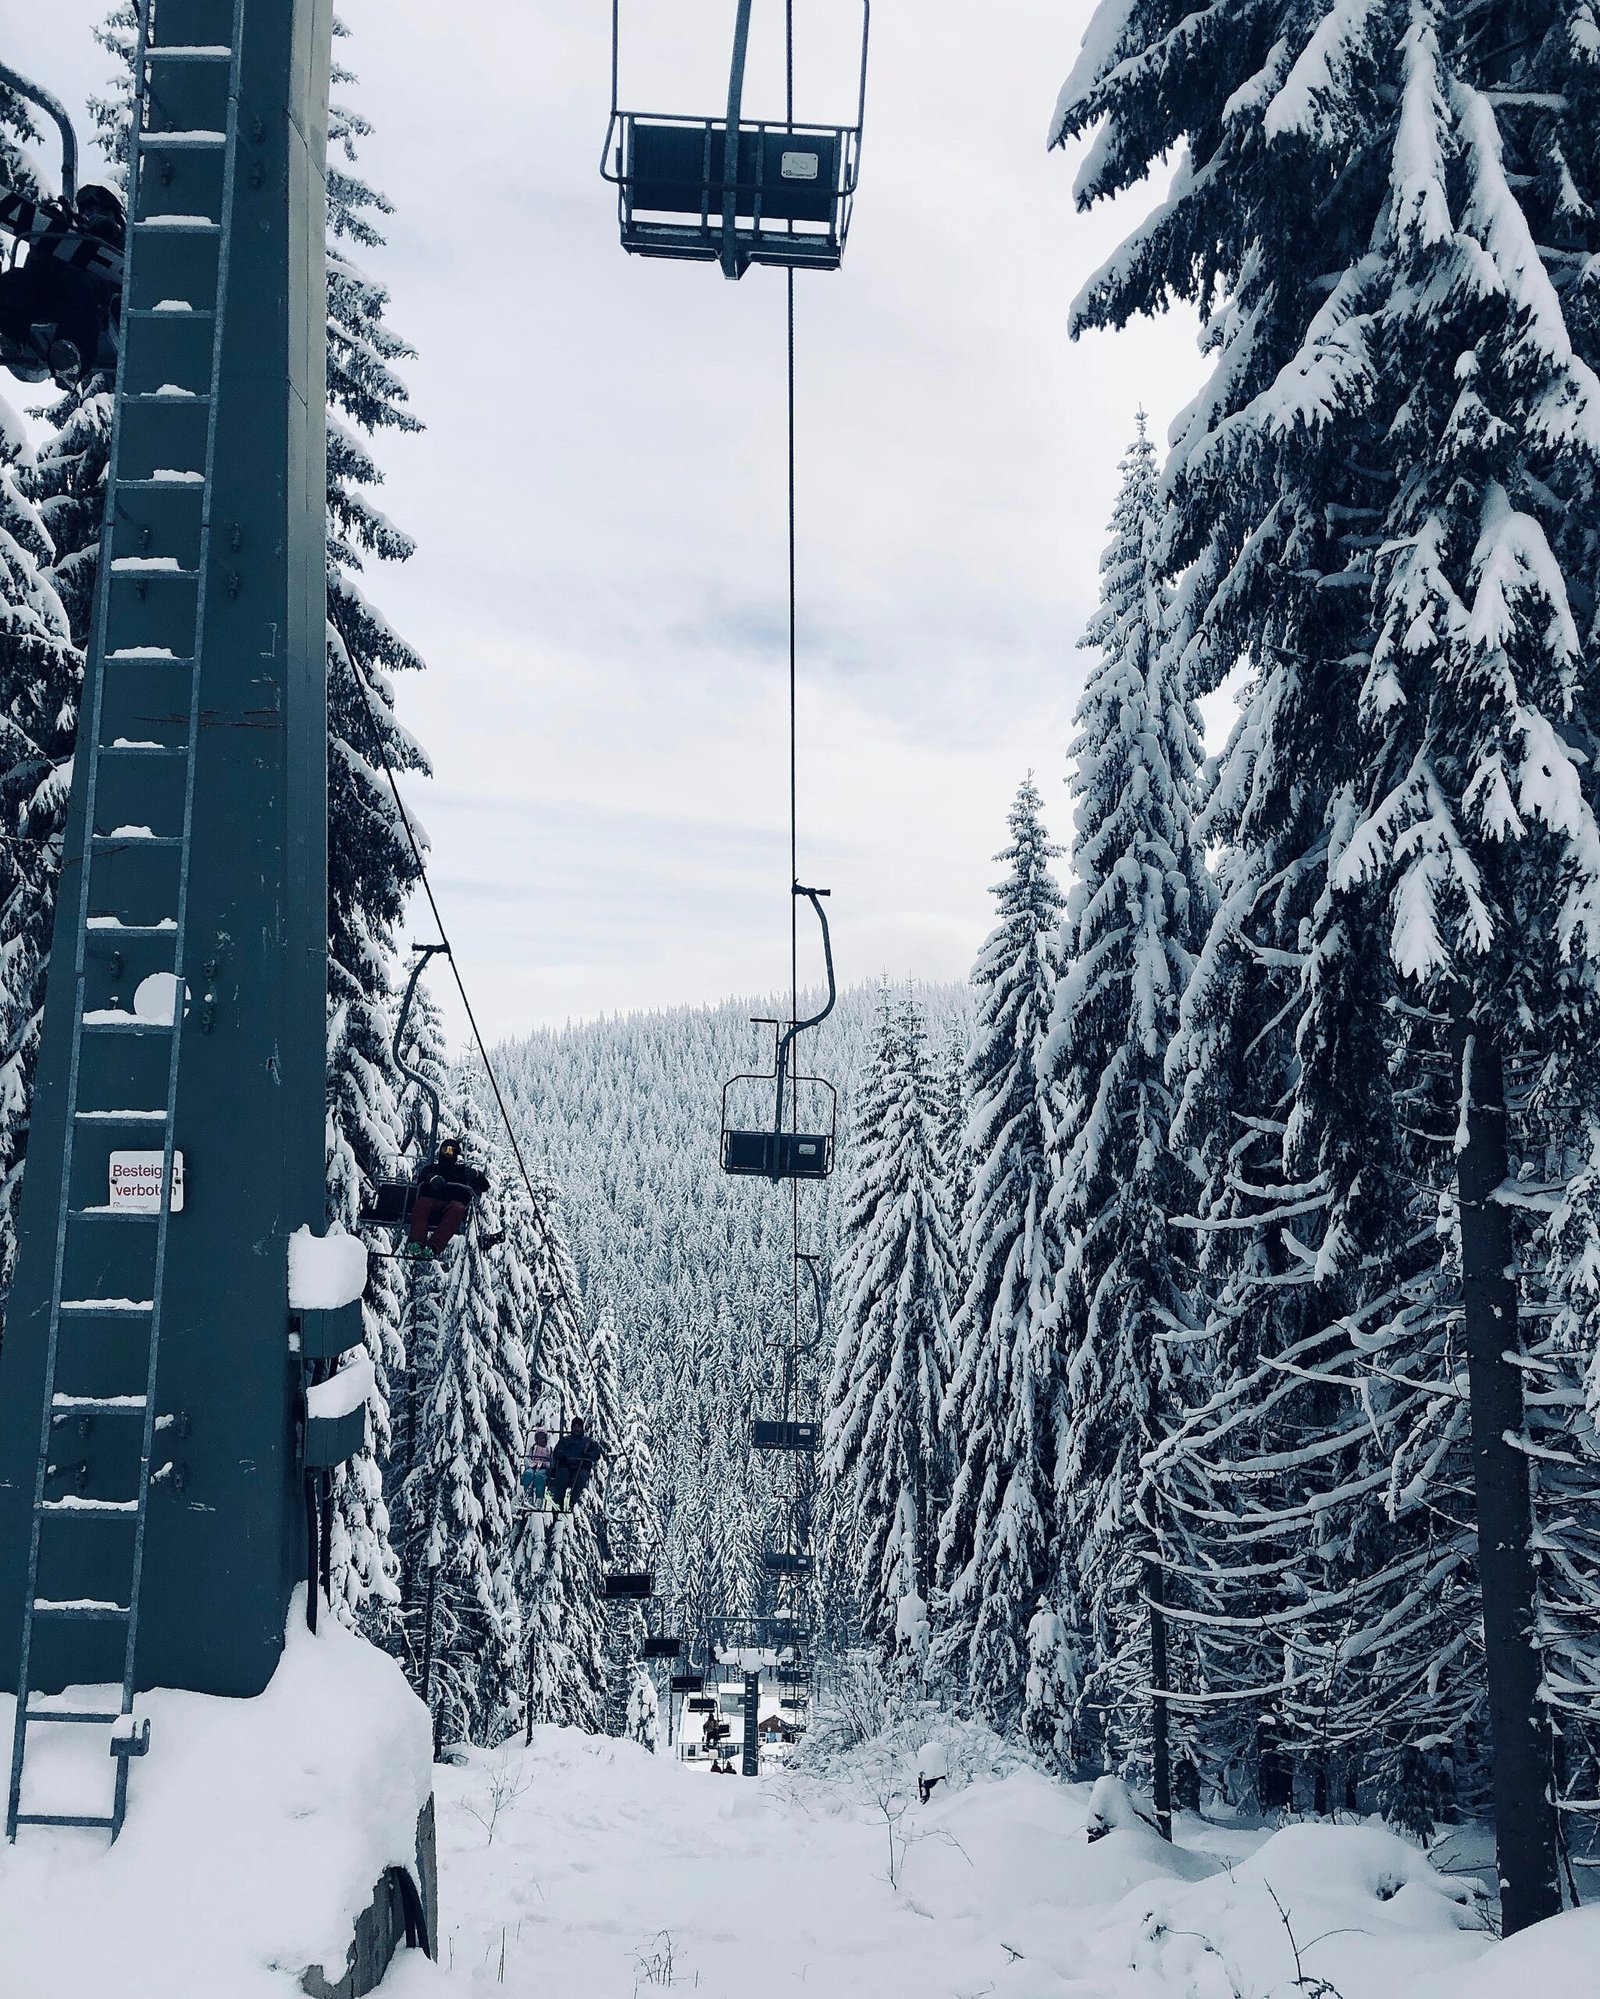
(124,769)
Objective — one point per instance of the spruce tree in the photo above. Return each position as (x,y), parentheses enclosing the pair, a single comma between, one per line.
(372,869)
(1383,497)
(1001,1410)
(39,669)
(1137,910)
(883,1438)
(472,1360)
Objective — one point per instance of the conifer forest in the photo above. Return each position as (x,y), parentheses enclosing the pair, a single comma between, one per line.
(1172,1412)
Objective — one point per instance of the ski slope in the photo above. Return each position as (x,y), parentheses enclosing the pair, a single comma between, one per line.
(586,1868)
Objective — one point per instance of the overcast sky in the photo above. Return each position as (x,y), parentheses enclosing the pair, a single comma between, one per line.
(598,496)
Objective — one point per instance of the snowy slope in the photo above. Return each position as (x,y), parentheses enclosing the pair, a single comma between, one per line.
(587,1868)
(256,1832)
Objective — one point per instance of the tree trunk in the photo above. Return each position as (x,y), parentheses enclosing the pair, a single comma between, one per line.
(1160,1742)
(1525,1820)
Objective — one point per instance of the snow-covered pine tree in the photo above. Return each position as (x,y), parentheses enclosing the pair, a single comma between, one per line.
(1384,493)
(39,668)
(1002,1406)
(472,1360)
(558,1562)
(371,867)
(633,1540)
(1136,912)
(883,1441)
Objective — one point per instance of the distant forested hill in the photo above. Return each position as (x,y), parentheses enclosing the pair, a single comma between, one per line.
(624,1116)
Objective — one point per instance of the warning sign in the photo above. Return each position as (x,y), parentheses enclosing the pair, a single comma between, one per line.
(136,1182)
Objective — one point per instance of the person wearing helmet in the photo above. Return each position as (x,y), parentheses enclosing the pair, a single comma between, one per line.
(572,1465)
(445,1195)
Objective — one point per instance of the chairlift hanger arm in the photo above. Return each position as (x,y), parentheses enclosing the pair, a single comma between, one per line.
(56,111)
(732,267)
(424,953)
(798,1027)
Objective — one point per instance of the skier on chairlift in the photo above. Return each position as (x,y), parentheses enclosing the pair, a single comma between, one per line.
(572,1465)
(445,1195)
(59,304)
(536,1472)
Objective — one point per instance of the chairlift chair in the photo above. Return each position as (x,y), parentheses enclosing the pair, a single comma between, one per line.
(687,1683)
(661,1648)
(772,1153)
(785,1562)
(766,1436)
(630,1585)
(734,191)
(60,307)
(389,1203)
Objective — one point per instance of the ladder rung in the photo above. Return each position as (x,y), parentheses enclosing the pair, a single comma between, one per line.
(190,52)
(172,316)
(89,1509)
(141,750)
(86,1607)
(123,1307)
(150,142)
(195,485)
(109,1214)
(123,1117)
(148,656)
(68,1714)
(126,1024)
(98,1405)
(147,566)
(170,397)
(65,1818)
(99,927)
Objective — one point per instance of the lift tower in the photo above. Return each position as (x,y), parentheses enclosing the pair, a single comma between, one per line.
(151,1431)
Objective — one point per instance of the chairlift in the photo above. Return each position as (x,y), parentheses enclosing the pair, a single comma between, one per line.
(803,1437)
(785,1562)
(661,1648)
(698,1702)
(390,1202)
(628,1585)
(60,306)
(734,191)
(773,1153)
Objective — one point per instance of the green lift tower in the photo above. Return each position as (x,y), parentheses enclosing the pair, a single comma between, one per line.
(153,1441)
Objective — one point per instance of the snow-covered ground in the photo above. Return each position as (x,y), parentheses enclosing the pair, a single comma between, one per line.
(589,1869)
(256,1832)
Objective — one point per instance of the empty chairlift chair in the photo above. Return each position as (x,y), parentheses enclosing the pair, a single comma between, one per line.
(772,1152)
(734,191)
(389,1203)
(803,1437)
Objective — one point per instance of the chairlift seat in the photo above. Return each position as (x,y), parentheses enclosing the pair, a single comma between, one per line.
(701,1703)
(784,1436)
(662,1648)
(629,1584)
(389,1204)
(784,1562)
(687,1683)
(778,1155)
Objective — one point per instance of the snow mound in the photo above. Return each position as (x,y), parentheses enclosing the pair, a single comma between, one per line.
(1353,1905)
(1557,1960)
(325,1272)
(256,1833)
